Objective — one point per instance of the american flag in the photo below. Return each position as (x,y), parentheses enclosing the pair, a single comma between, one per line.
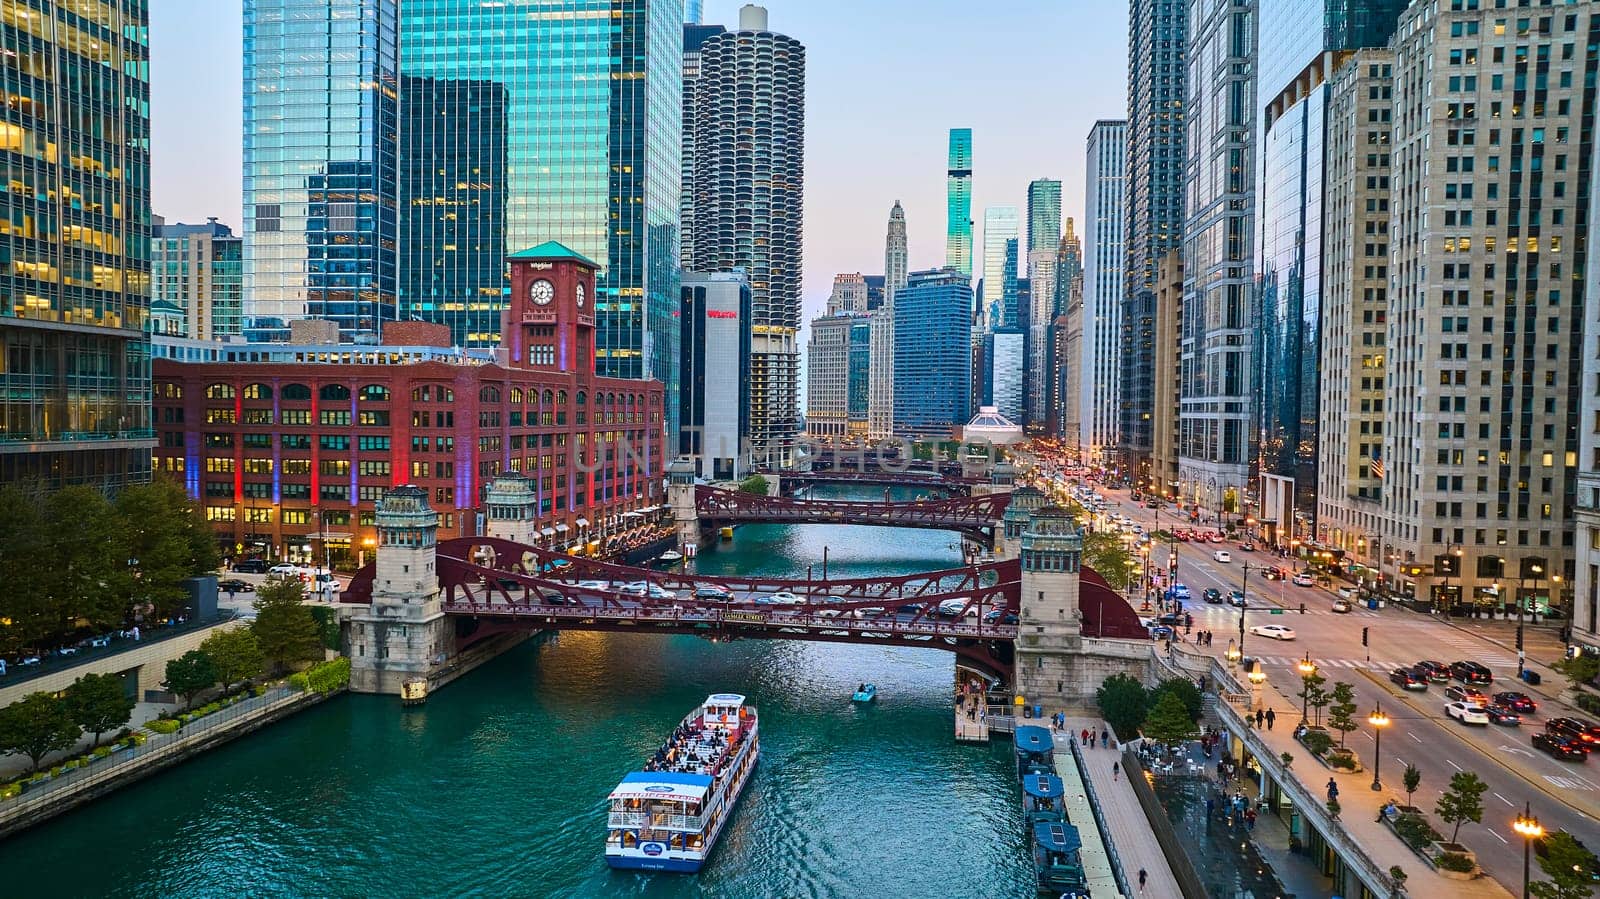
(1375,466)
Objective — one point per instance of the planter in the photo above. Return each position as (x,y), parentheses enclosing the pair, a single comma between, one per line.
(1454,849)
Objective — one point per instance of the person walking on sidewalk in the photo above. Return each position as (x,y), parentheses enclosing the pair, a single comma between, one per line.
(1271,717)
(1116,771)
(1261,718)
(1333,790)
(1143,875)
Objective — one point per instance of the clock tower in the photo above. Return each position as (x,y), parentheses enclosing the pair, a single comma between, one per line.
(549,322)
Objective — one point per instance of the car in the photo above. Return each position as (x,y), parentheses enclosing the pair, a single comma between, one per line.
(1236,598)
(867,612)
(1499,714)
(785,598)
(1347,593)
(1467,713)
(636,588)
(656,591)
(1211,595)
(1215,537)
(1000,616)
(1585,732)
(100,641)
(1247,547)
(908,607)
(953,608)
(1275,631)
(713,593)
(594,585)
(284,569)
(1470,673)
(1222,555)
(1542,850)
(1408,679)
(1161,632)
(1172,619)
(1341,606)
(1436,672)
(1464,693)
(1304,580)
(1518,702)
(251,566)
(235,585)
(1181,591)
(1560,747)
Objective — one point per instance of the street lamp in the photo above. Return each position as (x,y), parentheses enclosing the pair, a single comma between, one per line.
(1233,654)
(1307,668)
(1257,678)
(1530,829)
(1379,721)
(1534,569)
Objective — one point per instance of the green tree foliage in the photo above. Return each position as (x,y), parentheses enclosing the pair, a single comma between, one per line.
(190,674)
(1581,670)
(1123,703)
(98,703)
(1168,722)
(1567,864)
(168,536)
(284,627)
(1185,690)
(1462,802)
(35,726)
(85,568)
(754,484)
(1342,714)
(1411,780)
(1109,557)
(236,655)
(1313,695)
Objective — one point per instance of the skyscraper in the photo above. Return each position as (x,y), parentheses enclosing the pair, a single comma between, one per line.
(932,349)
(849,295)
(593,98)
(692,11)
(74,292)
(1100,366)
(715,379)
(999,281)
(694,37)
(320,219)
(958,203)
(1044,217)
(1215,337)
(828,376)
(894,253)
(1153,224)
(1052,270)
(749,139)
(196,271)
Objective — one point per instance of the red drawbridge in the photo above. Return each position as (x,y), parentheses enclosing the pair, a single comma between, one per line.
(975,516)
(795,480)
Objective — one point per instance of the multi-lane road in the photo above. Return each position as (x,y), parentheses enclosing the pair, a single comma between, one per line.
(1564,795)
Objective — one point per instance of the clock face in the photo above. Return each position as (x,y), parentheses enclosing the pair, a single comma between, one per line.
(580,294)
(541,292)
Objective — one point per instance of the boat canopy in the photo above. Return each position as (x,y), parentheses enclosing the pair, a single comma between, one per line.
(1032,738)
(663,786)
(1053,836)
(1043,786)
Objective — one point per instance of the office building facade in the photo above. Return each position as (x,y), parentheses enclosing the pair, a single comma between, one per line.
(1006,361)
(320,120)
(828,377)
(1099,395)
(999,266)
(1044,217)
(932,328)
(849,294)
(1215,364)
(1153,213)
(714,377)
(75,381)
(694,37)
(895,253)
(196,280)
(749,124)
(958,202)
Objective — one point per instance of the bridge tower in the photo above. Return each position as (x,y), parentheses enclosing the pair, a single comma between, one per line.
(403,634)
(680,498)
(1001,478)
(1024,502)
(1050,628)
(511,508)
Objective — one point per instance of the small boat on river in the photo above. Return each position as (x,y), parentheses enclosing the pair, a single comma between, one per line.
(668,816)
(865,693)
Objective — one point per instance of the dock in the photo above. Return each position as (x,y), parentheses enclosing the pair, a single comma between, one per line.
(1133,841)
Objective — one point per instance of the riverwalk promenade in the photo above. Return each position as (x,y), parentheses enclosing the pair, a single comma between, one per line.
(1132,837)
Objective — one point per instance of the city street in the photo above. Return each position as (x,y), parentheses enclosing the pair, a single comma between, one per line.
(1564,795)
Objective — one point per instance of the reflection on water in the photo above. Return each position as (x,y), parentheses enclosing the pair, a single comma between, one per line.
(1221,853)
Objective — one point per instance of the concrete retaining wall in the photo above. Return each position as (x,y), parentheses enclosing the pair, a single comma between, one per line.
(148,657)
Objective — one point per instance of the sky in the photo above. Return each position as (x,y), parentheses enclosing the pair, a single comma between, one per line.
(885,81)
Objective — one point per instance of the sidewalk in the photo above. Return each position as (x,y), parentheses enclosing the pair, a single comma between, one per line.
(1125,820)
(17,765)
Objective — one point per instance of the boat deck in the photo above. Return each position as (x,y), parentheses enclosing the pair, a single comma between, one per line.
(699,747)
(976,728)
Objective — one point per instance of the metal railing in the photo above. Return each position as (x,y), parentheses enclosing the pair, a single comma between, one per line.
(646,819)
(40,794)
(1100,816)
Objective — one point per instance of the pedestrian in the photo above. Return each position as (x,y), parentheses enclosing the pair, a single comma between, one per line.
(1083,737)
(1116,771)
(1143,875)
(1271,717)
(1261,718)
(1333,790)
(1211,808)
(1105,738)
(1250,819)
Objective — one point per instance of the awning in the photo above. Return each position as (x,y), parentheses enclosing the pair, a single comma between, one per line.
(631,515)
(562,528)
(663,786)
(548,532)
(583,522)
(1043,786)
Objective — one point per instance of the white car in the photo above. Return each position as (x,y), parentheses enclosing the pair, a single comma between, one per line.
(1304,580)
(1275,631)
(594,585)
(785,598)
(952,608)
(1222,555)
(1467,712)
(1347,593)
(286,570)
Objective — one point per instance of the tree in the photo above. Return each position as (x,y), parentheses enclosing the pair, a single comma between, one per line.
(1109,557)
(1185,690)
(1312,693)
(35,726)
(1580,669)
(23,602)
(1287,759)
(1341,716)
(1567,864)
(168,535)
(1463,801)
(87,575)
(1123,703)
(754,484)
(1397,876)
(1411,780)
(284,627)
(1333,809)
(98,703)
(235,653)
(189,674)
(1169,723)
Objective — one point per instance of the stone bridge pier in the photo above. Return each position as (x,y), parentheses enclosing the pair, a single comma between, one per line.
(403,634)
(680,499)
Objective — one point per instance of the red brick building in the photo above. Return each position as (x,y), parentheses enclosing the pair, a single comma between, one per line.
(290,447)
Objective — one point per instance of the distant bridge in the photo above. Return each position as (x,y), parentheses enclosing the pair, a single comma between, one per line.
(976,516)
(792,481)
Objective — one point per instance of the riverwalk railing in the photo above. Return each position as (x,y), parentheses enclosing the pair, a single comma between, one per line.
(1099,818)
(39,795)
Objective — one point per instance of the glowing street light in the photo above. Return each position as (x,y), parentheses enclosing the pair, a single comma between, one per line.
(1307,668)
(1257,678)
(1379,721)
(1529,828)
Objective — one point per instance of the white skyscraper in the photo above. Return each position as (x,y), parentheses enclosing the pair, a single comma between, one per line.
(1101,370)
(999,226)
(894,253)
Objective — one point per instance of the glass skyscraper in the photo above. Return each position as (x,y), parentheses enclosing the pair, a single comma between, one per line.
(999,266)
(75,287)
(1044,217)
(319,164)
(932,350)
(958,203)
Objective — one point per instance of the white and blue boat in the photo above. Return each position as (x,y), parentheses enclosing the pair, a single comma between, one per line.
(865,693)
(668,816)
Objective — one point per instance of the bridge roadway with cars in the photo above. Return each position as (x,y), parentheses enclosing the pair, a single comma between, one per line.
(975,516)
(1565,795)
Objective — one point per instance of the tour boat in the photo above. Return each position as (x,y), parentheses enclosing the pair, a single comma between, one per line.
(667,559)
(667,817)
(867,693)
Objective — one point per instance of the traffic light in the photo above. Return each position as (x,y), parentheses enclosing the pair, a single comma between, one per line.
(1363,636)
